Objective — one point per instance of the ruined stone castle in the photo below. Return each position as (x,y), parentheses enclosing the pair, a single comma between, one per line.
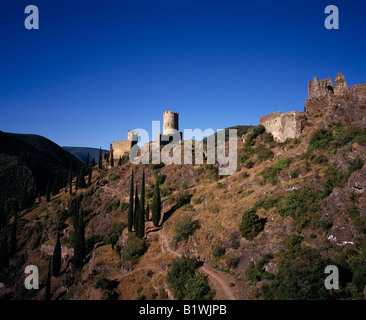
(323,99)
(170,128)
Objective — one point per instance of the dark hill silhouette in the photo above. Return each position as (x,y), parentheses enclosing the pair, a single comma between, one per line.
(28,161)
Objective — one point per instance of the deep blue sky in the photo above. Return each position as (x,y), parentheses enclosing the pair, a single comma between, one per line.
(97,68)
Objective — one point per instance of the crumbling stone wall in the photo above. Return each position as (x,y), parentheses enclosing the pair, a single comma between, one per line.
(283,126)
(122,148)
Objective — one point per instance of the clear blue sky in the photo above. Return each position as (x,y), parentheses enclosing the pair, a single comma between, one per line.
(97,68)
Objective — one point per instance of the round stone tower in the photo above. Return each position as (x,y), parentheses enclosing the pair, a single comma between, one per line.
(170,122)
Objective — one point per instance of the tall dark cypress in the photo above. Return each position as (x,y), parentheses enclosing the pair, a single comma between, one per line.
(156,205)
(135,214)
(48,283)
(81,179)
(90,176)
(13,239)
(79,245)
(87,160)
(4,252)
(130,209)
(112,160)
(147,212)
(56,259)
(141,211)
(70,181)
(100,162)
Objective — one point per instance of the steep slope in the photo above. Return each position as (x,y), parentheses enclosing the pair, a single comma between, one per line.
(28,161)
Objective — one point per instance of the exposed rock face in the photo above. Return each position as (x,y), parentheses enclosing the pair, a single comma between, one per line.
(337,201)
(343,155)
(283,126)
(342,232)
(340,86)
(357,183)
(320,89)
(66,252)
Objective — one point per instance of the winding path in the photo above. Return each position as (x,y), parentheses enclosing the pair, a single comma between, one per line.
(228,292)
(165,247)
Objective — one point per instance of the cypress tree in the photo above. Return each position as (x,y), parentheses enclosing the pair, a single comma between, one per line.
(135,214)
(156,205)
(147,212)
(130,209)
(70,181)
(120,161)
(56,259)
(93,162)
(81,179)
(141,211)
(100,162)
(87,160)
(4,252)
(90,176)
(112,160)
(56,186)
(13,239)
(48,283)
(79,245)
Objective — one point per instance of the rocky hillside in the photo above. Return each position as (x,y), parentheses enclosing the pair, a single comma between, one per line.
(26,164)
(265,232)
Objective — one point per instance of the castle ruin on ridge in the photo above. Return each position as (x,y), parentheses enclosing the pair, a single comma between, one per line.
(170,128)
(289,125)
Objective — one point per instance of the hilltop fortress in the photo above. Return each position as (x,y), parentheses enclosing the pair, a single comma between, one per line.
(170,128)
(333,103)
(326,103)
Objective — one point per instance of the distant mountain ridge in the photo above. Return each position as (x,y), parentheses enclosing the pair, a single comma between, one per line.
(82,152)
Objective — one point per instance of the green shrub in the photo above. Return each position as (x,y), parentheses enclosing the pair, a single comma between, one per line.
(220,185)
(113,177)
(160,179)
(198,289)
(218,251)
(245,174)
(251,225)
(183,228)
(108,288)
(114,233)
(134,249)
(197,201)
(249,165)
(90,241)
(295,173)
(298,203)
(256,272)
(183,198)
(234,241)
(271,173)
(256,131)
(242,158)
(300,276)
(355,164)
(334,177)
(182,269)
(124,206)
(263,153)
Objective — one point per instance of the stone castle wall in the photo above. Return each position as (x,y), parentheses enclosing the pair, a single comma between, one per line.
(283,126)
(321,95)
(122,148)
